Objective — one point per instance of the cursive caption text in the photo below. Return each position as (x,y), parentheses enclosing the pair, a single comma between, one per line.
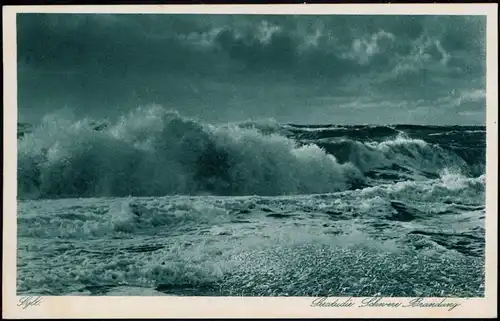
(29,301)
(381,302)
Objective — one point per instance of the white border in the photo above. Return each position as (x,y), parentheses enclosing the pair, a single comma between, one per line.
(221,307)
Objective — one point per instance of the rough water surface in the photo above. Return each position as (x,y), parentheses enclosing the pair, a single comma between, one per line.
(158,204)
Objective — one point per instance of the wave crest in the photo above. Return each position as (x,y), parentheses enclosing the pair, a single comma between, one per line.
(401,154)
(153,151)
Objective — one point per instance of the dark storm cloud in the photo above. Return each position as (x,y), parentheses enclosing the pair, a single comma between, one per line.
(223,67)
(114,44)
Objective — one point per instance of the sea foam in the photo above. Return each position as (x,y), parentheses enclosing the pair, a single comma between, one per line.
(154,151)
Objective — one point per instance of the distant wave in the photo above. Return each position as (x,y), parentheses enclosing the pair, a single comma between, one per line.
(153,151)
(422,148)
(401,151)
(356,132)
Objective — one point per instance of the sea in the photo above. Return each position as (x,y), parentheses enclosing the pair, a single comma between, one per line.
(155,203)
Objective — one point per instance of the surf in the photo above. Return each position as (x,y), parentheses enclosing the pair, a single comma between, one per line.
(153,151)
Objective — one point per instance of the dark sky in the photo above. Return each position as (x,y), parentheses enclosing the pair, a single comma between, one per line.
(218,68)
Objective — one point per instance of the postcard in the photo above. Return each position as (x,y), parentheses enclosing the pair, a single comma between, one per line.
(250,161)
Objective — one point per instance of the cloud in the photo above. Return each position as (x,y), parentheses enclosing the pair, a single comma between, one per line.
(197,62)
(365,48)
(467,100)
(270,41)
(476,95)
(204,38)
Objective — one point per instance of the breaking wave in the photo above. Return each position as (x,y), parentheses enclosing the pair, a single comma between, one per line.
(153,151)
(401,154)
